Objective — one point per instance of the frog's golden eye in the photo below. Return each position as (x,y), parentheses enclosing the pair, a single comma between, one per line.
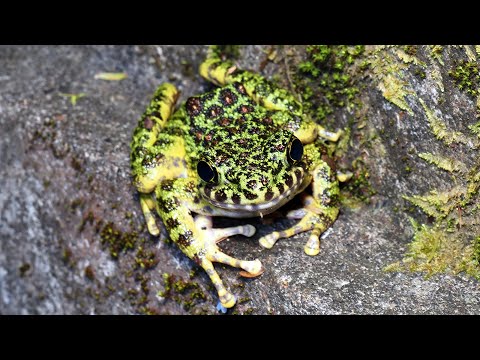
(206,172)
(295,150)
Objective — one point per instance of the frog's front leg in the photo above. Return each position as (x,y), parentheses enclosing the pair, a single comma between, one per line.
(318,213)
(176,200)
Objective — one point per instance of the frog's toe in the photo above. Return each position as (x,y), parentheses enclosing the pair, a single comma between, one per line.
(252,268)
(268,241)
(204,225)
(312,247)
(297,213)
(248,230)
(228,300)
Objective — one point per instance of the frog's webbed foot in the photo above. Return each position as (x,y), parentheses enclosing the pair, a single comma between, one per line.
(312,218)
(211,237)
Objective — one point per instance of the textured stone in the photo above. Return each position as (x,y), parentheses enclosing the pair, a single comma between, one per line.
(64,163)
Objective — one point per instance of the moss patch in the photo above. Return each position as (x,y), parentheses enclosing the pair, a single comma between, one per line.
(386,69)
(466,75)
(187,293)
(434,250)
(325,79)
(226,51)
(116,240)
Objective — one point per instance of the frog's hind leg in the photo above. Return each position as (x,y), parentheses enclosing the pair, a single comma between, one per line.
(258,88)
(195,237)
(144,157)
(154,154)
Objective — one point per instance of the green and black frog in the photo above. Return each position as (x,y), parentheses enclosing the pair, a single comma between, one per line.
(241,150)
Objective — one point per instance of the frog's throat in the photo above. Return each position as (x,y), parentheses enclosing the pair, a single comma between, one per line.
(263,207)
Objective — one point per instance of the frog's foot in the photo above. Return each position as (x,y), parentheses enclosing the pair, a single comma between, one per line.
(227,299)
(312,218)
(253,268)
(213,252)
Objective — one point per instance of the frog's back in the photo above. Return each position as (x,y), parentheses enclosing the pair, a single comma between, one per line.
(228,115)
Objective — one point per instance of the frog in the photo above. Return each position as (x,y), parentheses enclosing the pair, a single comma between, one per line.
(241,150)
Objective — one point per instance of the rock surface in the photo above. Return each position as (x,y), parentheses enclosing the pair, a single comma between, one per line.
(66,193)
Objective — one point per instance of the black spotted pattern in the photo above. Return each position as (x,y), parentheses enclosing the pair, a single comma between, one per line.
(245,143)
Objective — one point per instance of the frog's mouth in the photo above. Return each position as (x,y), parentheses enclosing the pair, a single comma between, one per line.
(266,202)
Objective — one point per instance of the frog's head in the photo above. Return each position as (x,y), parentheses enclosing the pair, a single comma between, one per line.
(259,176)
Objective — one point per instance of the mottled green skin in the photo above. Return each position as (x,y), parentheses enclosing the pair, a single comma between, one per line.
(244,131)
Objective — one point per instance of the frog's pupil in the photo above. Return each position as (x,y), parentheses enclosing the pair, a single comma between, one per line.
(205,171)
(296,150)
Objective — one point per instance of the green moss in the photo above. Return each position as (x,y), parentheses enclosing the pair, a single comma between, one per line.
(324,79)
(146,259)
(436,53)
(118,241)
(448,164)
(466,76)
(476,250)
(450,243)
(470,54)
(226,51)
(475,129)
(433,250)
(387,65)
(438,79)
(184,292)
(243,300)
(358,190)
(439,128)
(249,311)
(410,49)
(24,269)
(438,204)
(89,273)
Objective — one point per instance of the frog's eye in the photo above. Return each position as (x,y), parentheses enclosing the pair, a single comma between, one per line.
(206,172)
(295,150)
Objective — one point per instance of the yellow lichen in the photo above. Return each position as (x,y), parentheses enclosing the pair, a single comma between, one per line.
(444,163)
(406,58)
(110,76)
(470,54)
(387,66)
(439,128)
(437,77)
(436,53)
(433,250)
(438,204)
(73,97)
